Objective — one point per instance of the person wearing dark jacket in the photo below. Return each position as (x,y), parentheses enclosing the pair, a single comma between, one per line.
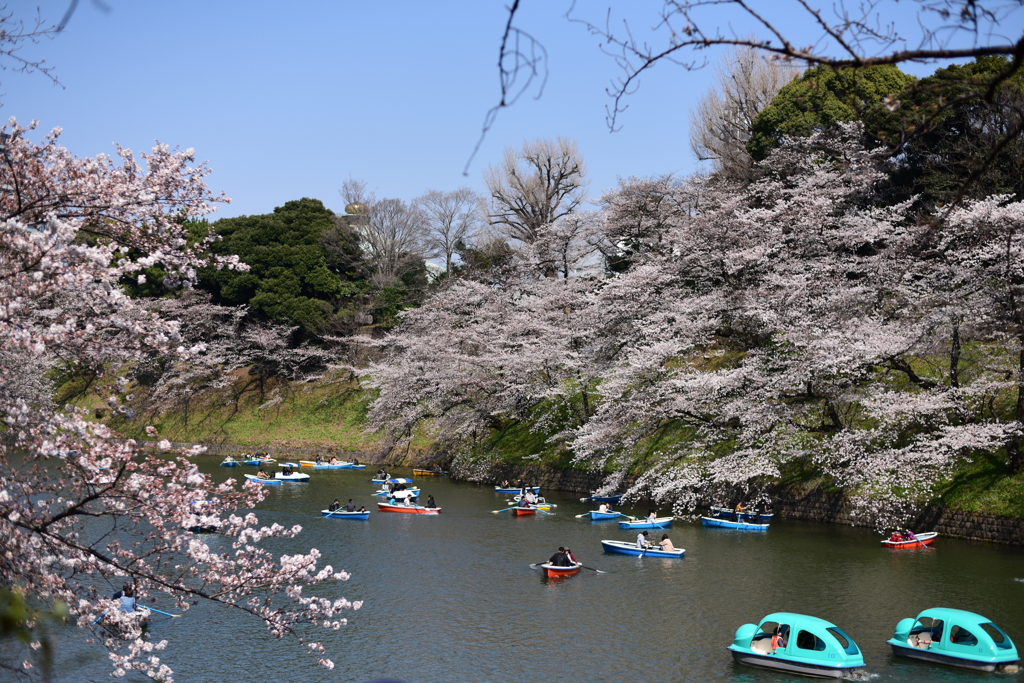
(560,559)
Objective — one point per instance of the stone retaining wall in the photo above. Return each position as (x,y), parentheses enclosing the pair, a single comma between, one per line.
(818,506)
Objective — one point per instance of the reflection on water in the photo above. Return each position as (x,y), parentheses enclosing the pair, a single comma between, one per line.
(451,598)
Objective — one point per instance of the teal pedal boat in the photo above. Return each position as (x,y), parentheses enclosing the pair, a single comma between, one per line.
(796,643)
(956,638)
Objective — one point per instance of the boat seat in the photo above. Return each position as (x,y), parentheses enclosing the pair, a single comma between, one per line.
(762,644)
(921,640)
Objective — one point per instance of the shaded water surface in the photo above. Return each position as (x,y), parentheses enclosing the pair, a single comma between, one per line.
(451,598)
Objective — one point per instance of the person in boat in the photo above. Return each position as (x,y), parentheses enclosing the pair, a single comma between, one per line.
(641,541)
(355,461)
(652,515)
(127,597)
(665,543)
(262,475)
(603,508)
(334,460)
(286,471)
(381,474)
(430,502)
(572,558)
(407,501)
(362,508)
(560,558)
(530,497)
(350,506)
(908,535)
(319,459)
(896,537)
(523,503)
(505,484)
(778,639)
(334,506)
(738,512)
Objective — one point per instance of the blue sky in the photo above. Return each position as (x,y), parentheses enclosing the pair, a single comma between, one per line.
(288,100)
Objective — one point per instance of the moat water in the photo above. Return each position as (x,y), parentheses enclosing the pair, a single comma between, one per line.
(452,598)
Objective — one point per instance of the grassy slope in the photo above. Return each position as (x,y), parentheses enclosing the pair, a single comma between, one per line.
(315,415)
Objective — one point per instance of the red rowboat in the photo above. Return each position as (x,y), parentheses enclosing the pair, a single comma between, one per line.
(413,509)
(520,511)
(918,541)
(554,570)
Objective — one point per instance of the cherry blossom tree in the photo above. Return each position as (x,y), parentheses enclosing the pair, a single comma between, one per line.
(799,323)
(81,507)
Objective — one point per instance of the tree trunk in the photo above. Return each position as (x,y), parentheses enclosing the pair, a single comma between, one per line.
(1013,447)
(954,356)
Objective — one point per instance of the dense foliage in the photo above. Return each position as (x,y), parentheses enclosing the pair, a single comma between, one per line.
(290,277)
(821,98)
(796,322)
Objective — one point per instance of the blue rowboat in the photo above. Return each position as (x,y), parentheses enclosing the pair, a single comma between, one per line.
(729,524)
(658,523)
(325,465)
(342,514)
(602,516)
(796,643)
(230,463)
(745,516)
(956,638)
(256,462)
(514,490)
(602,499)
(627,548)
(292,476)
(268,482)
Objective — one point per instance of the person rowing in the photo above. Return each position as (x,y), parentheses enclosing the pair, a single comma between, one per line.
(560,559)
(334,506)
(127,597)
(641,541)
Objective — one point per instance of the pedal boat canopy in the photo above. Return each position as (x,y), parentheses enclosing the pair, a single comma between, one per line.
(809,646)
(956,638)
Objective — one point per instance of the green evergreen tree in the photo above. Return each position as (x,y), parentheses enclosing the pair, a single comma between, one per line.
(820,98)
(293,277)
